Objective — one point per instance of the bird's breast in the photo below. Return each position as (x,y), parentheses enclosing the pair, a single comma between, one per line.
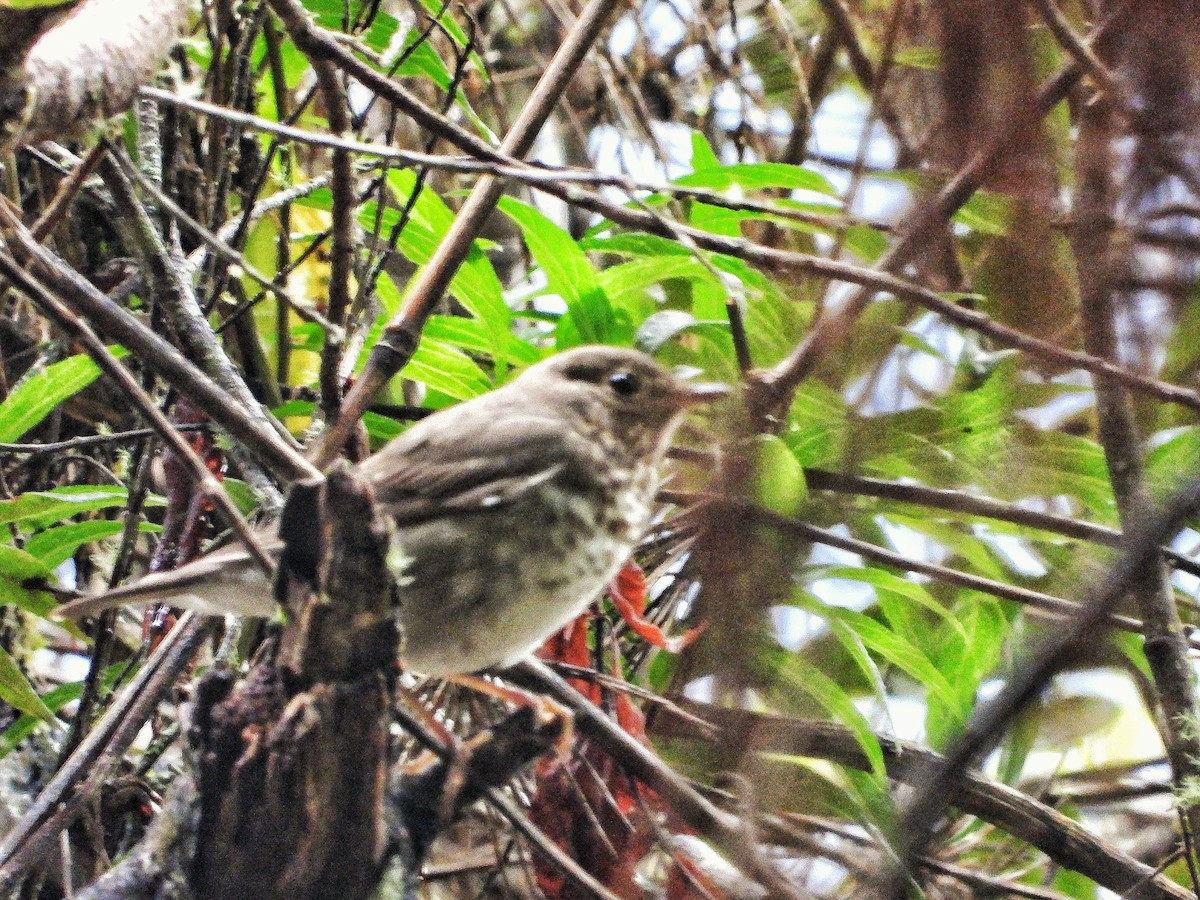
(484,589)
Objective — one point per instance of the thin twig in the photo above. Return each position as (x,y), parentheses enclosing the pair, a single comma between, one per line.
(491,162)
(217,244)
(91,763)
(724,830)
(1056,607)
(975,505)
(91,440)
(250,425)
(206,482)
(399,338)
(1080,50)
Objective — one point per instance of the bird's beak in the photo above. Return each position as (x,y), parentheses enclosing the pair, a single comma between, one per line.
(696,394)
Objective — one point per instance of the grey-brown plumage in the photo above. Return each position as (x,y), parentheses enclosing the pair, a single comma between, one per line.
(510,511)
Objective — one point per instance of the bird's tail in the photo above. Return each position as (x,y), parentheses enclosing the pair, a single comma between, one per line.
(227,581)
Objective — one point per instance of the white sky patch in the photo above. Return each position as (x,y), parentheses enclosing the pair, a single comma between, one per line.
(548,149)
(1187,542)
(794,627)
(910,543)
(622,37)
(663,25)
(1014,551)
(837,131)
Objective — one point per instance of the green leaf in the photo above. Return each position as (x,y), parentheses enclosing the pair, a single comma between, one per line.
(568,271)
(758,176)
(906,656)
(891,646)
(381,429)
(816,425)
(887,585)
(628,282)
(474,336)
(56,545)
(919,57)
(865,242)
(447,369)
(474,285)
(438,11)
(36,510)
(33,4)
(717,219)
(21,566)
(13,592)
(16,690)
(799,675)
(986,212)
(1045,463)
(1174,459)
(54,699)
(702,153)
(35,397)
(241,495)
(779,480)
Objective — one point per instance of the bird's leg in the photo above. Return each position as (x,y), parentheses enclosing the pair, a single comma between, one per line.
(452,773)
(451,754)
(546,712)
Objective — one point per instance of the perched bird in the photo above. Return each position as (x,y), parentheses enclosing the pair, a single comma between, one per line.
(510,511)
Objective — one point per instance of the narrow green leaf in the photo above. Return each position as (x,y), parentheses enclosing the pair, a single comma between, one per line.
(816,425)
(475,284)
(702,153)
(21,566)
(569,273)
(446,369)
(919,57)
(906,656)
(758,176)
(35,397)
(381,429)
(16,690)
(56,545)
(41,509)
(13,592)
(242,496)
(628,281)
(802,676)
(55,699)
(986,212)
(33,4)
(473,336)
(438,11)
(888,582)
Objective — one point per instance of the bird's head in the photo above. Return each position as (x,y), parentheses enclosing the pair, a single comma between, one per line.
(625,390)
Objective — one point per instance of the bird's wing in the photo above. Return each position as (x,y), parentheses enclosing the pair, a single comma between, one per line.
(448,469)
(438,465)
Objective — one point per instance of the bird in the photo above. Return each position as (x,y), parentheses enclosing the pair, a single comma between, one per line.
(509,512)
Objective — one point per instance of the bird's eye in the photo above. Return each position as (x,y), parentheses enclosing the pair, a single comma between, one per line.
(624,383)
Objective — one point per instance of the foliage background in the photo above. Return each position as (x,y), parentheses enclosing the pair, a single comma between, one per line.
(947,249)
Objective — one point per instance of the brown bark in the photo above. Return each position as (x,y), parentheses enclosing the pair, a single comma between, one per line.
(84,69)
(293,761)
